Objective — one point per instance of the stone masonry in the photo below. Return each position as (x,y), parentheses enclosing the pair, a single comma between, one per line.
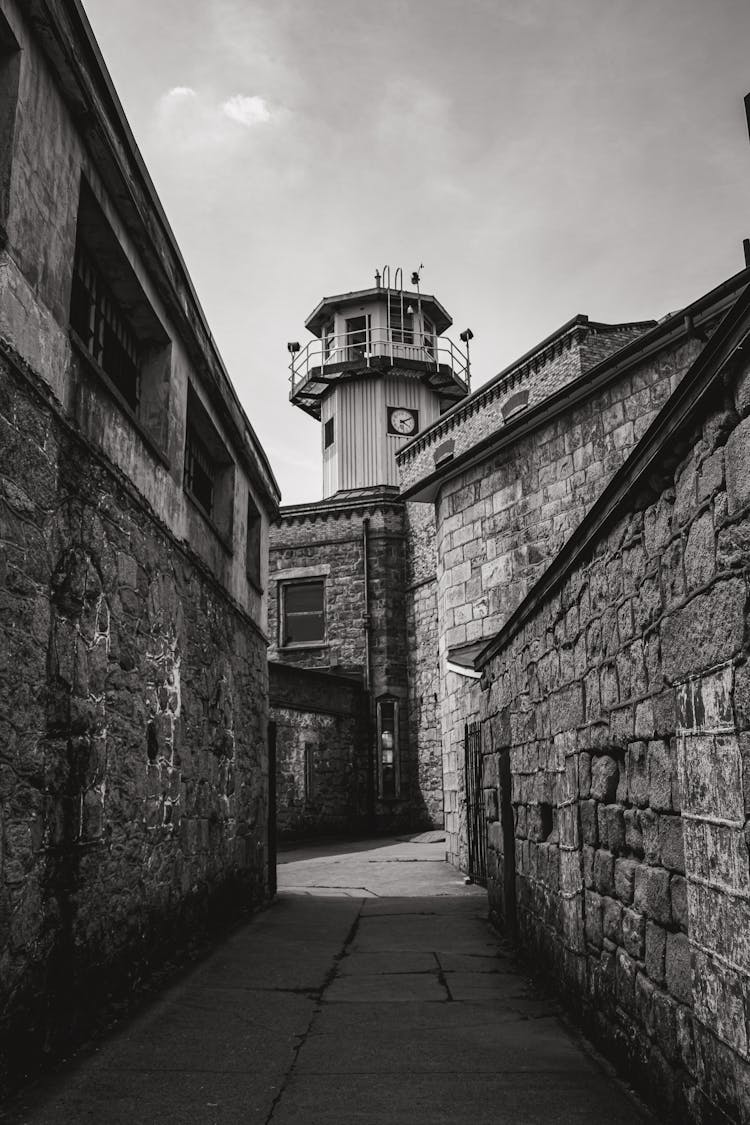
(132,756)
(621,698)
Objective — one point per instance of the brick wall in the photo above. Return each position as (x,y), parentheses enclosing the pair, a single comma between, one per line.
(133,763)
(623,704)
(321,752)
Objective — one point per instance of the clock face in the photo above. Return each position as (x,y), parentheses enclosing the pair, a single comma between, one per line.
(402,421)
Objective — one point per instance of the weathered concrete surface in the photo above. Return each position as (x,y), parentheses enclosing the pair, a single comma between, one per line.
(372,991)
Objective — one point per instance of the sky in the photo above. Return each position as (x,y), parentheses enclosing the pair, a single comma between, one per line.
(539,158)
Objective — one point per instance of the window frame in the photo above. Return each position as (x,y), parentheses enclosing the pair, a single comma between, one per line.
(201,432)
(283,589)
(329,434)
(393,728)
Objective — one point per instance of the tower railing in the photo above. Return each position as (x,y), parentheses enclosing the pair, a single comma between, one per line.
(369,346)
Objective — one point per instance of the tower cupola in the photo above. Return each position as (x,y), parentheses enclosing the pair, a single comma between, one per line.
(377,370)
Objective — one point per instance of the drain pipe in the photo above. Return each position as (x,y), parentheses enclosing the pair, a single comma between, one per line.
(367,626)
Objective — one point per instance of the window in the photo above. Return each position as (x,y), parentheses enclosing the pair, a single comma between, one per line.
(328,340)
(429,338)
(253,548)
(401,325)
(356,337)
(388,749)
(102,328)
(10,56)
(302,612)
(209,471)
(114,326)
(328,433)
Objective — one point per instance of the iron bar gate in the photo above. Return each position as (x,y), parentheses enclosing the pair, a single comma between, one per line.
(476,823)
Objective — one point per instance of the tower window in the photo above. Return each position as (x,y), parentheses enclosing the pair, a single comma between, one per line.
(429,337)
(328,433)
(328,340)
(389,780)
(356,337)
(401,323)
(303,612)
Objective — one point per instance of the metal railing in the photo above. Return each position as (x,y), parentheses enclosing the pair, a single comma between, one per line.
(366,345)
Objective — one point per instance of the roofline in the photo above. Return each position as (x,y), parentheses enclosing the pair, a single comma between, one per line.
(378,291)
(676,325)
(112,104)
(579,321)
(345,501)
(678,412)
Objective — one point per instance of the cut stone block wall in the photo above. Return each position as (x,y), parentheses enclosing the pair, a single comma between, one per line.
(500,524)
(623,706)
(133,717)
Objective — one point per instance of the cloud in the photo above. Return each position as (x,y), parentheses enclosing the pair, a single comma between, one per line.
(189,120)
(247,111)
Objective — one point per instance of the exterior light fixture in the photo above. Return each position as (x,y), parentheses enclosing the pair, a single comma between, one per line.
(293,347)
(467,335)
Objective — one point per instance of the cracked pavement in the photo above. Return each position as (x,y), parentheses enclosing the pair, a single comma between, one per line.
(372,991)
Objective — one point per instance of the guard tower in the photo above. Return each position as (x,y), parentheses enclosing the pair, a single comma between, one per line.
(378,370)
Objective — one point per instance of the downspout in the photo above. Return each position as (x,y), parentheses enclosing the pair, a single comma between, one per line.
(367,626)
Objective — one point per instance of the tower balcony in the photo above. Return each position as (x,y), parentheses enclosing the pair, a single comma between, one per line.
(374,351)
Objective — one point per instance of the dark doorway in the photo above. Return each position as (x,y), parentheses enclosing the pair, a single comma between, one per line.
(271,808)
(510,920)
(476,821)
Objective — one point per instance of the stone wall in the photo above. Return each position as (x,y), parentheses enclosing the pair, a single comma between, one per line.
(422,657)
(321,723)
(133,760)
(501,523)
(563,357)
(327,540)
(622,701)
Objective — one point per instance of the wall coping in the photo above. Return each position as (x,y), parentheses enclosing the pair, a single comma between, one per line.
(573,332)
(641,467)
(685,324)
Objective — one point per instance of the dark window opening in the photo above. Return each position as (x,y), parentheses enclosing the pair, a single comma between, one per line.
(546,820)
(200,472)
(401,323)
(254,535)
(102,328)
(303,614)
(356,337)
(209,471)
(328,433)
(113,323)
(388,749)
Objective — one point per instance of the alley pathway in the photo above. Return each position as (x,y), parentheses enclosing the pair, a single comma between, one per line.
(372,992)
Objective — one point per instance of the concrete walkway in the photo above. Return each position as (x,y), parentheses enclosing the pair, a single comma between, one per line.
(371,993)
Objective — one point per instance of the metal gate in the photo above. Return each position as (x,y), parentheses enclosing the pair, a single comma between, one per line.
(476,824)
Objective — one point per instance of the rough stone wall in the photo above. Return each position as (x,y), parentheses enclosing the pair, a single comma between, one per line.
(321,752)
(482,413)
(133,761)
(501,523)
(422,657)
(324,540)
(624,706)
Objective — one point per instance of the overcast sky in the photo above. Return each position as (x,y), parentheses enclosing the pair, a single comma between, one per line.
(541,158)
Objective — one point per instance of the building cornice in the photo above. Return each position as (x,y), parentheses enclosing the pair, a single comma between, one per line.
(342,503)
